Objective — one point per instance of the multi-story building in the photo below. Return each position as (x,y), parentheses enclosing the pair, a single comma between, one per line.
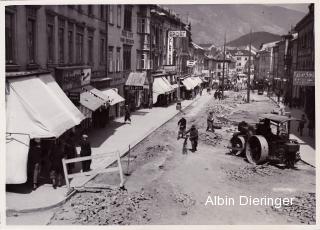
(241,57)
(304,78)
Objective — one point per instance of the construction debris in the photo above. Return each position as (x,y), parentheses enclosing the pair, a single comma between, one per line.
(303,208)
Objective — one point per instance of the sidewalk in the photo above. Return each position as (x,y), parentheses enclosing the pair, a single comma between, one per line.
(115,136)
(307,148)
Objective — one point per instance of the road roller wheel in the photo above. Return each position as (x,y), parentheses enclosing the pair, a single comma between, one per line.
(238,143)
(257,149)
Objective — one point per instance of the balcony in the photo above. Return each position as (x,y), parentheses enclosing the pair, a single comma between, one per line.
(127,34)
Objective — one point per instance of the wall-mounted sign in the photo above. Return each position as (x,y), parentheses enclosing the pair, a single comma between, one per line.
(178,34)
(69,78)
(170,51)
(127,40)
(303,78)
(191,63)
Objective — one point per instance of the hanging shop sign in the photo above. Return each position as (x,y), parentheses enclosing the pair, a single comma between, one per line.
(303,78)
(170,51)
(178,34)
(70,78)
(191,63)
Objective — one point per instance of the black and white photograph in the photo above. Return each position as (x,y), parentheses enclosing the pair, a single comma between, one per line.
(159,114)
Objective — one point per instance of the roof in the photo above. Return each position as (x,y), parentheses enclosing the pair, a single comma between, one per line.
(267,45)
(239,52)
(277,118)
(196,46)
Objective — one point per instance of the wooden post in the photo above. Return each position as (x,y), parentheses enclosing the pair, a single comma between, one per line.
(65,173)
(120,169)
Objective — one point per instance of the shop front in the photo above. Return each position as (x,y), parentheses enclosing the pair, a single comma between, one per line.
(116,103)
(189,88)
(136,90)
(75,82)
(303,94)
(162,92)
(36,108)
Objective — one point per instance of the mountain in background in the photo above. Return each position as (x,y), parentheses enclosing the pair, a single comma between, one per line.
(257,38)
(209,23)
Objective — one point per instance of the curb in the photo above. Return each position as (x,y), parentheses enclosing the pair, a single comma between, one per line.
(11,211)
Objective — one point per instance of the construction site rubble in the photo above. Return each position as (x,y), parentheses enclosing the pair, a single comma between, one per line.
(105,208)
(303,208)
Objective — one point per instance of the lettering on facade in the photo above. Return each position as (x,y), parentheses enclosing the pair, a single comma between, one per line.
(170,51)
(303,78)
(127,40)
(73,78)
(178,34)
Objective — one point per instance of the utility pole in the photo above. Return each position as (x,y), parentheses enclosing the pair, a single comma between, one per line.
(249,66)
(224,59)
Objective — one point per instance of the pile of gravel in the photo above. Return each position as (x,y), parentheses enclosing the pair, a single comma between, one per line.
(104,208)
(303,208)
(252,170)
(184,199)
(210,138)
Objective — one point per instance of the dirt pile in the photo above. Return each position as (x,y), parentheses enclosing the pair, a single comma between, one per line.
(303,208)
(210,138)
(250,170)
(105,207)
(184,199)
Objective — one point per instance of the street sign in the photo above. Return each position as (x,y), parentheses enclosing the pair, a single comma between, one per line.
(178,34)
(170,51)
(191,63)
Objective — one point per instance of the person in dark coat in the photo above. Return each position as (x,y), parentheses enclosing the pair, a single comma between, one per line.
(56,157)
(193,137)
(84,152)
(301,124)
(36,154)
(127,114)
(70,151)
(182,123)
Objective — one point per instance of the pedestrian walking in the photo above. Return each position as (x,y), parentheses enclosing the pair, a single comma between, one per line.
(70,151)
(84,152)
(182,123)
(301,124)
(57,154)
(127,114)
(311,126)
(193,137)
(36,158)
(210,122)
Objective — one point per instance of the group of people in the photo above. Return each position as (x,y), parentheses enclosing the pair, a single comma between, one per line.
(59,150)
(193,131)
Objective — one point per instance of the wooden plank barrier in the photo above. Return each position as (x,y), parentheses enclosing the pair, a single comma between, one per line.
(94,172)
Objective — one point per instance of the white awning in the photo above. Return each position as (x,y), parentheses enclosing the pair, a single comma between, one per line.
(37,106)
(113,96)
(160,87)
(188,83)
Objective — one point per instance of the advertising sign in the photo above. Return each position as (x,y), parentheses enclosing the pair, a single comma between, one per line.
(303,78)
(70,78)
(191,63)
(170,51)
(178,34)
